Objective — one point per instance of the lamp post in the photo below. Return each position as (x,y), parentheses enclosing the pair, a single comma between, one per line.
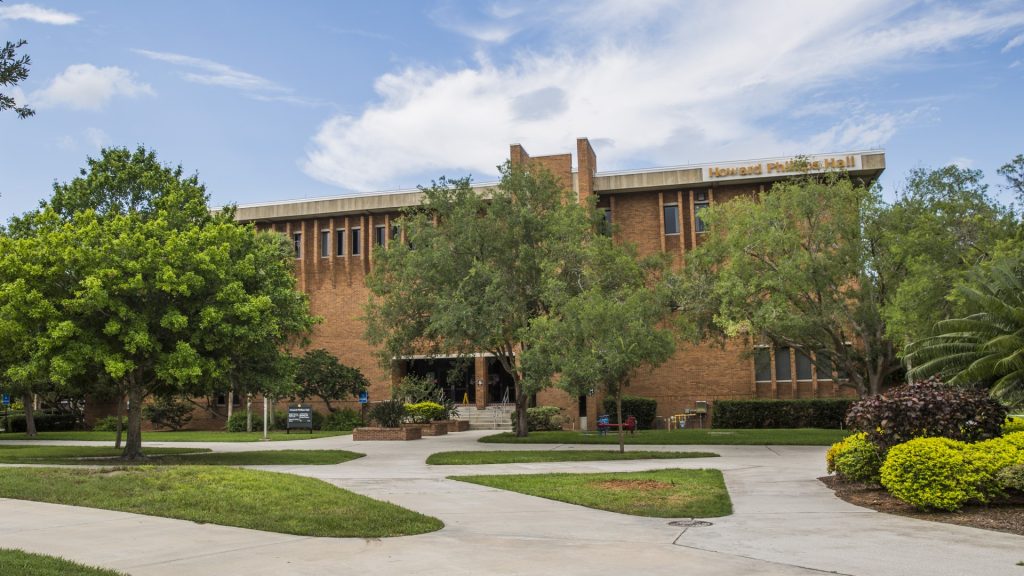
(265,422)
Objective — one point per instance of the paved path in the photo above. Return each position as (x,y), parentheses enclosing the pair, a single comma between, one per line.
(785,523)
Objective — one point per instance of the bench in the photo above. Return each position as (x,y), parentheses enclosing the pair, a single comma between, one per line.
(604,424)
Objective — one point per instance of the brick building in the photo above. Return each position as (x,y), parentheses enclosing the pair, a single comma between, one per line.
(655,209)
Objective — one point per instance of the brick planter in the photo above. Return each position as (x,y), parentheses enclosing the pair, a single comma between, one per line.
(457,425)
(435,429)
(404,433)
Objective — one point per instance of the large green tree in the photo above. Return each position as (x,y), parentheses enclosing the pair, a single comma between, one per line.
(319,374)
(614,321)
(472,276)
(168,298)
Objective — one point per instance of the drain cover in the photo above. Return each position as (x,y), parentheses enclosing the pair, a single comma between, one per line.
(689,523)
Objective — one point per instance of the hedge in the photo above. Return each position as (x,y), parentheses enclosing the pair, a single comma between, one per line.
(46,422)
(643,409)
(818,413)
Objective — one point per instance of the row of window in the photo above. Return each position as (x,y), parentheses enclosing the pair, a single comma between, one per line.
(671,212)
(354,235)
(785,358)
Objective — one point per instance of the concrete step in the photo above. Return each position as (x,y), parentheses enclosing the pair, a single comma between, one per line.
(493,417)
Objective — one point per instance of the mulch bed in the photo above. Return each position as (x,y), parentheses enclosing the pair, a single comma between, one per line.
(1005,516)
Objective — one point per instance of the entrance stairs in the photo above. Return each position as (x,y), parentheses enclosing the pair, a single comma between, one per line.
(493,417)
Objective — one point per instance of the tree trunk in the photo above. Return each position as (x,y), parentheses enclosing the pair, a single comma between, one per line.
(133,444)
(30,416)
(231,403)
(248,413)
(618,414)
(120,417)
(521,405)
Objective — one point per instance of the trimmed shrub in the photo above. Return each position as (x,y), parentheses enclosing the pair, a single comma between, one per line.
(238,422)
(930,473)
(388,414)
(927,409)
(170,413)
(424,412)
(855,458)
(1015,438)
(988,458)
(540,418)
(46,422)
(1011,478)
(643,409)
(1013,424)
(109,424)
(344,419)
(816,413)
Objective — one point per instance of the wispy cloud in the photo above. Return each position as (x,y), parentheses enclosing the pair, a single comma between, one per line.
(662,84)
(211,73)
(1014,42)
(87,87)
(37,14)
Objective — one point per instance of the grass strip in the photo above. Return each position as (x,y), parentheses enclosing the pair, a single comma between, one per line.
(523,456)
(179,436)
(671,493)
(99,455)
(758,437)
(269,501)
(27,564)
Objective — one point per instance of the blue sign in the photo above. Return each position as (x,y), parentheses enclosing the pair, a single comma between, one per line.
(364,397)
(5,399)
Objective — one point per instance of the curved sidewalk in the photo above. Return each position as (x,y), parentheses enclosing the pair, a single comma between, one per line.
(785,523)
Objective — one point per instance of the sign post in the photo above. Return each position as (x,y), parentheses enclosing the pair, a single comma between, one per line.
(300,416)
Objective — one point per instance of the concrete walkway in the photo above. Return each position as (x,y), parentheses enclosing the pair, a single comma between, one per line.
(785,523)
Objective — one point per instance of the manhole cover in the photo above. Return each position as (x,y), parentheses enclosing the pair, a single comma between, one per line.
(689,523)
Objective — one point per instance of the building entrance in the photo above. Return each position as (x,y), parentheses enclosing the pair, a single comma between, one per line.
(467,378)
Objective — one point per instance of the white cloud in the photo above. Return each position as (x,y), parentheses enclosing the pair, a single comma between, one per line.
(37,14)
(214,73)
(86,87)
(97,137)
(1016,41)
(664,84)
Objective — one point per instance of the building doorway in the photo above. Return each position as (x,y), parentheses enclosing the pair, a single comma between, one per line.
(457,378)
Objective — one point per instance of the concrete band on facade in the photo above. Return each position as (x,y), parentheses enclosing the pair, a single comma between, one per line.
(334,276)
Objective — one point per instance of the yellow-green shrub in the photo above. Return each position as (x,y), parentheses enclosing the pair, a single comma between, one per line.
(987,458)
(424,412)
(855,458)
(1015,438)
(930,473)
(1013,424)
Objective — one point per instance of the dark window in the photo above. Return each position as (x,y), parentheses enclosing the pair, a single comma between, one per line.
(297,244)
(394,232)
(671,219)
(355,241)
(325,243)
(824,365)
(340,235)
(606,222)
(699,224)
(783,371)
(379,235)
(763,364)
(803,366)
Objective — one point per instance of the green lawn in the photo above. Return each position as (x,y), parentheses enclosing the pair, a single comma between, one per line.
(757,437)
(180,436)
(518,456)
(660,493)
(255,499)
(26,564)
(101,455)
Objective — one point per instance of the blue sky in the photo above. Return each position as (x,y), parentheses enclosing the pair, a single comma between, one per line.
(273,101)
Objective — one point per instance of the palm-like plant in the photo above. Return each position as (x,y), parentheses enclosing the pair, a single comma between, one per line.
(987,346)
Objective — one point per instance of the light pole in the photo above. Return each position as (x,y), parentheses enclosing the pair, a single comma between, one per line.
(265,422)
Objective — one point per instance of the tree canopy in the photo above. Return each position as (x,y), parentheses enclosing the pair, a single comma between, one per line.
(319,374)
(13,69)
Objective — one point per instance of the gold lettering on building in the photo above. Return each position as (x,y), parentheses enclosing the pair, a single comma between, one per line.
(784,167)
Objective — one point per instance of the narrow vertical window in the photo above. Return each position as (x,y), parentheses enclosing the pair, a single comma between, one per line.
(297,244)
(325,243)
(671,219)
(606,222)
(355,242)
(339,235)
(394,232)
(763,364)
(824,363)
(803,366)
(700,202)
(783,370)
(379,235)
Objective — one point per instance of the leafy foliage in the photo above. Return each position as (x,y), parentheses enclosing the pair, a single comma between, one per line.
(412,389)
(109,424)
(388,414)
(927,409)
(643,409)
(816,413)
(985,346)
(540,419)
(855,458)
(13,69)
(424,412)
(47,422)
(237,422)
(1013,424)
(344,419)
(319,373)
(172,413)
(1012,478)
